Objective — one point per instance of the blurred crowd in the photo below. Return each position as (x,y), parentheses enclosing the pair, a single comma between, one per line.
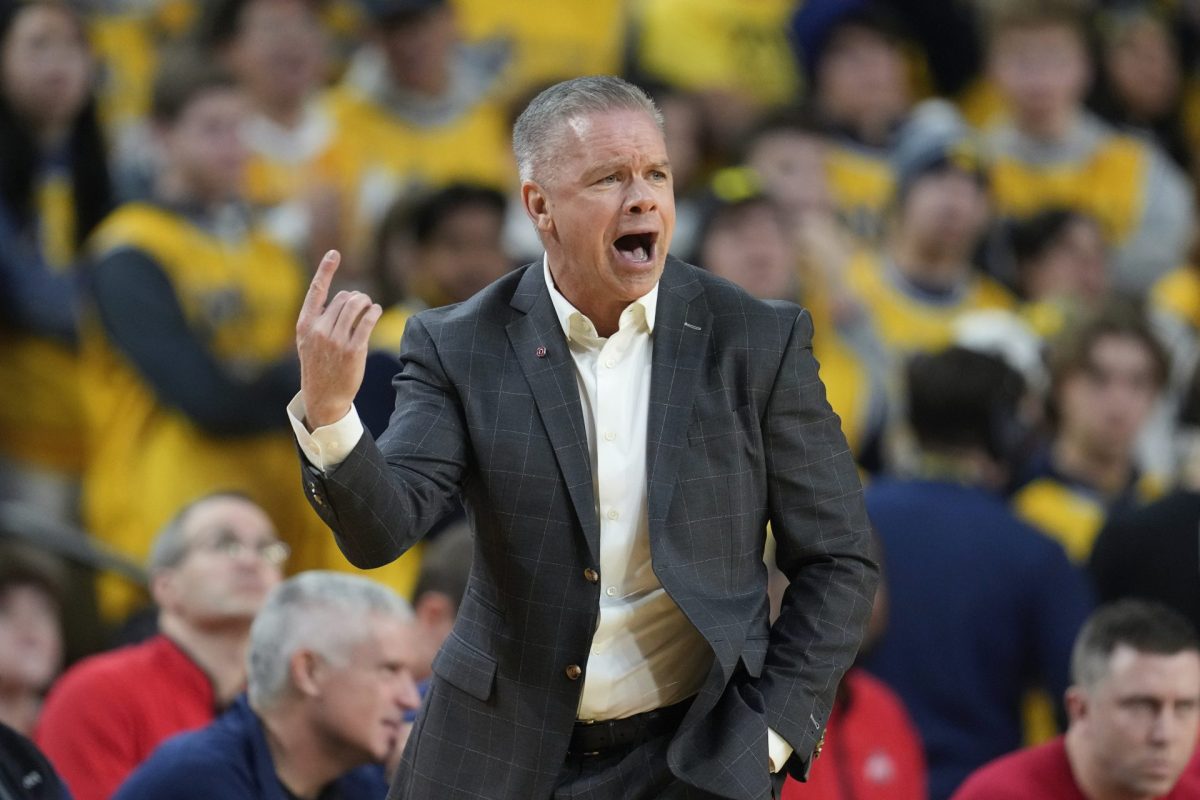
(988,208)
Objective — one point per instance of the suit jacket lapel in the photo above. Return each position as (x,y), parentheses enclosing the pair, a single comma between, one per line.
(682,327)
(541,349)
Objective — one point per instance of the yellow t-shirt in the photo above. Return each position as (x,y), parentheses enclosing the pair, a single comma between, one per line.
(1106,185)
(395,154)
(148,459)
(40,411)
(564,39)
(1072,515)
(907,323)
(735,46)
(862,183)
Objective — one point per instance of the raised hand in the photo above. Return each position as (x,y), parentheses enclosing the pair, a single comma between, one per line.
(332,343)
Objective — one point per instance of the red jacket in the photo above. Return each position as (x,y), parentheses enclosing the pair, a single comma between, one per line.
(108,712)
(872,751)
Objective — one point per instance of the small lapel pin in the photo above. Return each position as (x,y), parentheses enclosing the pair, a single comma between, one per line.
(540,352)
(690,325)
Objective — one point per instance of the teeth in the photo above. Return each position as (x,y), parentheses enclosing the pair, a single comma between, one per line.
(640,254)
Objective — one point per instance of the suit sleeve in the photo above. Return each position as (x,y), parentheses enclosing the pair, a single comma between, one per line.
(386,496)
(822,538)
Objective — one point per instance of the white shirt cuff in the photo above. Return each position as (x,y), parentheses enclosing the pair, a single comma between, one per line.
(779,750)
(328,446)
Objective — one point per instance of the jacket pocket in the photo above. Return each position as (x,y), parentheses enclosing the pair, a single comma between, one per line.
(466,667)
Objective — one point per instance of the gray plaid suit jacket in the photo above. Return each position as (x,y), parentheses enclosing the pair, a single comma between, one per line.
(740,435)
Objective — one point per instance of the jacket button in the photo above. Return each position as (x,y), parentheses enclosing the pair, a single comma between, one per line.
(591,576)
(573,671)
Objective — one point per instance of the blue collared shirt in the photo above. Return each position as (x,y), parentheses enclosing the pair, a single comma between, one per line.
(229,759)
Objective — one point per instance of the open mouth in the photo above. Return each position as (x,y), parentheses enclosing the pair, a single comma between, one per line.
(637,247)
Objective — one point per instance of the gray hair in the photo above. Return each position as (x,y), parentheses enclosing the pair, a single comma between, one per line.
(325,612)
(1145,626)
(538,131)
(171,542)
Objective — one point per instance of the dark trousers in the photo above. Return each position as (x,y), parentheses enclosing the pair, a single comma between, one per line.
(637,772)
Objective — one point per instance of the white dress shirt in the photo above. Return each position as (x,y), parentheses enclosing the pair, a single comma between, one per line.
(645,653)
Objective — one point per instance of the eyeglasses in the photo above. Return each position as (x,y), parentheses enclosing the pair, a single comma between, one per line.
(273,553)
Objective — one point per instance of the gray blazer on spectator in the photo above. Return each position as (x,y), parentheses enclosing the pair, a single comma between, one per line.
(740,435)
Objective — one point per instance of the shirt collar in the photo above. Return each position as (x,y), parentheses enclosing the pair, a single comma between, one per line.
(576,325)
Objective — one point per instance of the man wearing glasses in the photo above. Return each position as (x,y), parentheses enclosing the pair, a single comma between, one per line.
(211,568)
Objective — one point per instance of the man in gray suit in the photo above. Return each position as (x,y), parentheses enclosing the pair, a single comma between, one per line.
(621,427)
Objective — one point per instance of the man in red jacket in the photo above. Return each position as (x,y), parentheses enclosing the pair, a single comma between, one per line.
(872,749)
(1134,712)
(211,569)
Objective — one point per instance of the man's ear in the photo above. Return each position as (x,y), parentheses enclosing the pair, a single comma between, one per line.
(306,669)
(162,587)
(1076,704)
(435,610)
(537,206)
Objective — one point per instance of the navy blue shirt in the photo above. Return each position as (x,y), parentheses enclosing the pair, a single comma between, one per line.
(981,608)
(229,759)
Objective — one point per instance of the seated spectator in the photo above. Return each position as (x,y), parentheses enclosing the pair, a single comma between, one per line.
(211,569)
(31,644)
(1061,267)
(434,249)
(190,340)
(1134,708)
(980,606)
(54,189)
(744,240)
(25,774)
(1052,153)
(924,278)
(1140,83)
(872,750)
(326,696)
(424,106)
(862,91)
(1152,552)
(304,170)
(1107,371)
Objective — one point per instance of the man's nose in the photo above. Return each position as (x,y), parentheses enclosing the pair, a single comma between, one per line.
(640,199)
(407,696)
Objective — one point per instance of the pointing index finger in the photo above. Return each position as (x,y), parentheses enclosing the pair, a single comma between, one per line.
(318,290)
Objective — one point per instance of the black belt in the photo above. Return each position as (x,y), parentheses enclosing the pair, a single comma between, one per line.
(595,737)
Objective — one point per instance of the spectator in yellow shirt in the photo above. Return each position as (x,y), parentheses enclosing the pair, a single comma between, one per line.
(1061,265)
(1107,371)
(304,167)
(862,90)
(54,189)
(924,279)
(423,106)
(1051,152)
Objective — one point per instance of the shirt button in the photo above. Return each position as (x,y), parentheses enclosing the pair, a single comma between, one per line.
(332,445)
(573,672)
(590,575)
(610,363)
(611,591)
(608,437)
(612,513)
